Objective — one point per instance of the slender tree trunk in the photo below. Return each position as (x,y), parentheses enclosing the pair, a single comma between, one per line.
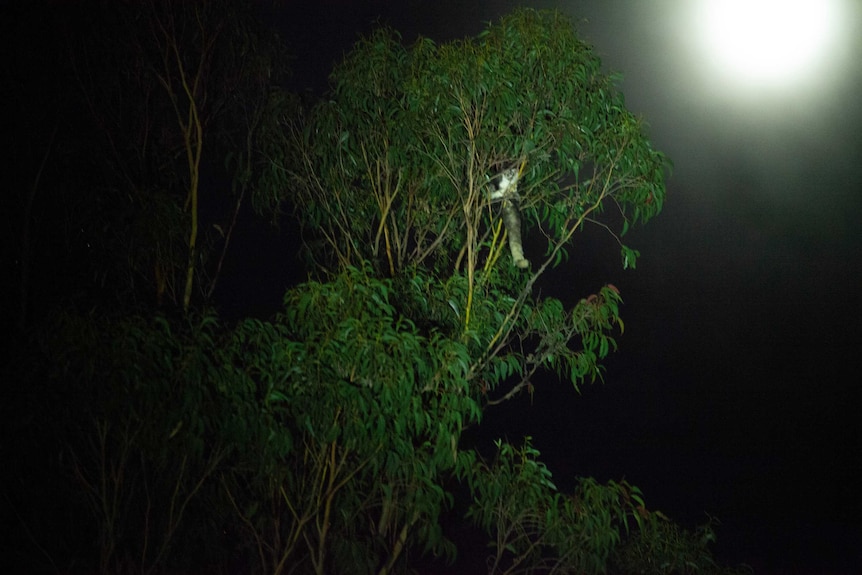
(194,150)
(24,281)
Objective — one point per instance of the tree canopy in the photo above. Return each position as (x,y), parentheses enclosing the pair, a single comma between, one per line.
(394,169)
(391,176)
(410,138)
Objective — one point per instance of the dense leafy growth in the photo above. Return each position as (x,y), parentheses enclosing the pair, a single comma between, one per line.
(327,438)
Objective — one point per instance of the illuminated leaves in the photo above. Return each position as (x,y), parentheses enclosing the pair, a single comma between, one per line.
(358,380)
(409,136)
(535,528)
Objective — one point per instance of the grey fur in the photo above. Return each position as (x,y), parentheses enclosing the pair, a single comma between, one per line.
(507,191)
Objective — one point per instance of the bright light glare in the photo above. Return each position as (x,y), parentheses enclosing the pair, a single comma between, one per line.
(768,42)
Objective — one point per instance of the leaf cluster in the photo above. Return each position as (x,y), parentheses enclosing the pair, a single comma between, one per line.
(367,413)
(662,547)
(535,528)
(394,166)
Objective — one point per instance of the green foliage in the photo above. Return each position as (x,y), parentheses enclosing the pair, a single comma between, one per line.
(394,167)
(143,415)
(361,420)
(393,171)
(535,528)
(662,547)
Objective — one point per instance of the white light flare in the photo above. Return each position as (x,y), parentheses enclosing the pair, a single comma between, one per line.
(768,43)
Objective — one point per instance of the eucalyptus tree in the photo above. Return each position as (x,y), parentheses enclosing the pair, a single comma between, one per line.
(136,184)
(181,97)
(410,179)
(398,167)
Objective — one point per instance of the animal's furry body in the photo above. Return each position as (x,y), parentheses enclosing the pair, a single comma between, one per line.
(507,193)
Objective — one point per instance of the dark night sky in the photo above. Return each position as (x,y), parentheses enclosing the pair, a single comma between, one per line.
(733,392)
